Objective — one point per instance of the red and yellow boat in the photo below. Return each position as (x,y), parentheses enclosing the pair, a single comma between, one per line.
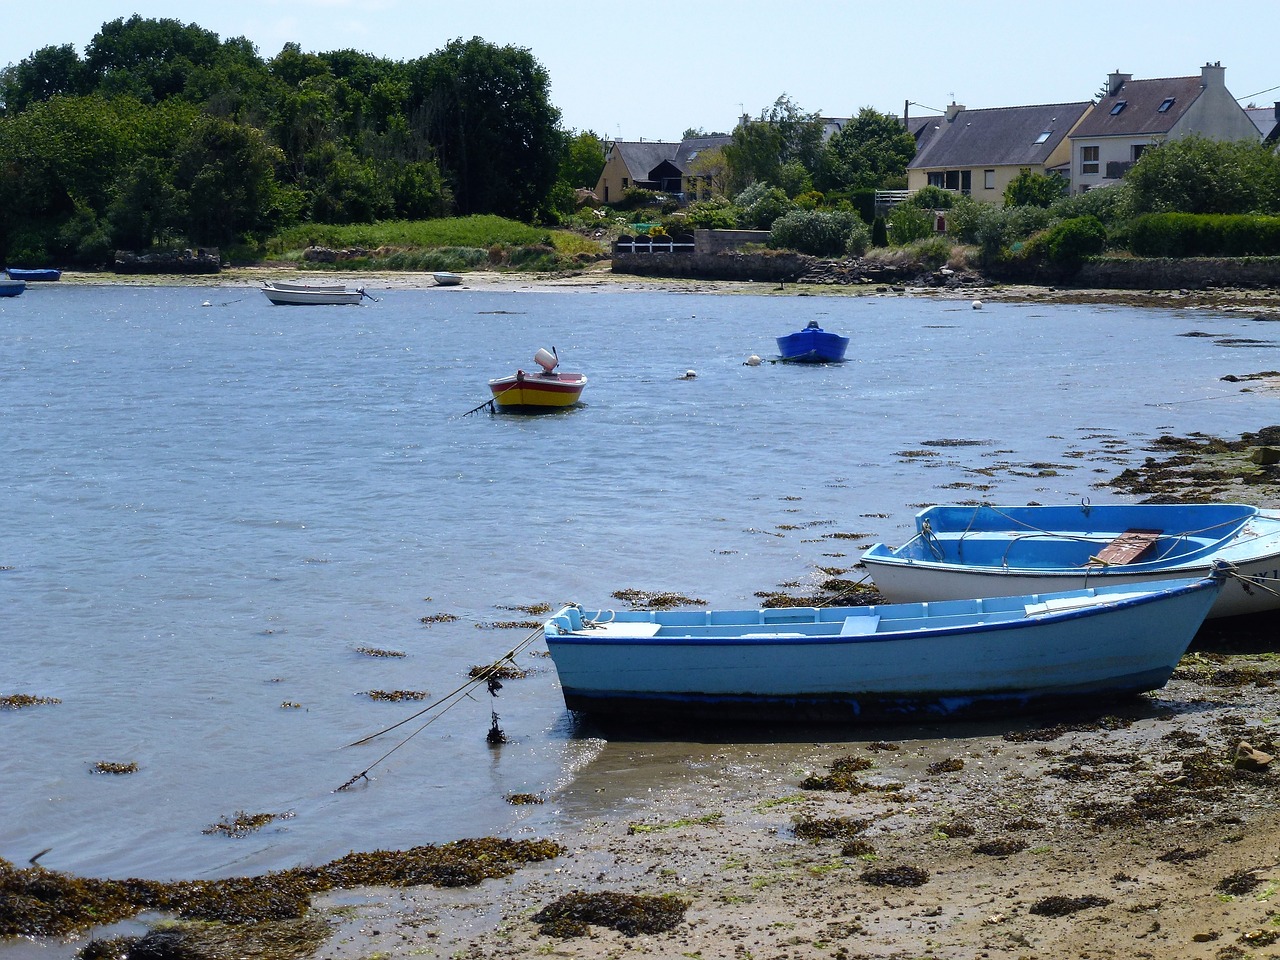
(544,390)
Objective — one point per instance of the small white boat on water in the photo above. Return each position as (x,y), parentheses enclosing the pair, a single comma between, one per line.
(939,659)
(285,293)
(986,550)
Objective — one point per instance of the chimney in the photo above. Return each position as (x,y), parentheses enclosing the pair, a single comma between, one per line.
(1117,80)
(954,109)
(1212,75)
(1278,111)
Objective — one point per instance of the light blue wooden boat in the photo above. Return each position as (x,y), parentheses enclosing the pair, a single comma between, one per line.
(36,275)
(990,551)
(11,288)
(813,345)
(939,659)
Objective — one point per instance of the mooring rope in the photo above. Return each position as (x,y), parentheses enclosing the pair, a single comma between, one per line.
(488,676)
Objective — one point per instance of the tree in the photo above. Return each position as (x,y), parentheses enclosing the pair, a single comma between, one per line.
(488,113)
(1030,189)
(1198,175)
(148,59)
(782,134)
(871,148)
(583,160)
(226,172)
(710,170)
(47,73)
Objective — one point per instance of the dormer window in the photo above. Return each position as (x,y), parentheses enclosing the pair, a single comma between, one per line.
(1120,105)
(1044,136)
(1164,107)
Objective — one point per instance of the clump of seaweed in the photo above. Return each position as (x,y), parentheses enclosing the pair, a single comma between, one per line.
(396,696)
(851,764)
(955,828)
(1001,847)
(629,913)
(16,701)
(858,848)
(1239,883)
(832,828)
(949,765)
(378,652)
(655,599)
(497,671)
(896,876)
(293,939)
(1054,731)
(242,824)
(1181,855)
(522,799)
(438,618)
(42,903)
(1060,906)
(510,625)
(883,745)
(106,766)
(841,776)
(532,609)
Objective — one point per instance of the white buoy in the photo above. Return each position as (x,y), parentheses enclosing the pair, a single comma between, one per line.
(206,304)
(690,375)
(977,304)
(752,361)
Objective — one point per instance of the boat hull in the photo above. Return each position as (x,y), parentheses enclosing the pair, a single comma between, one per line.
(447,279)
(537,391)
(990,551)
(954,659)
(37,276)
(12,288)
(301,294)
(813,346)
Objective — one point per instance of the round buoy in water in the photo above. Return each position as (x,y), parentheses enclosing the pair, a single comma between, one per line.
(751,361)
(977,304)
(689,375)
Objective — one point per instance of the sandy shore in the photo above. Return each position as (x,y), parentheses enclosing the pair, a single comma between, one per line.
(1130,835)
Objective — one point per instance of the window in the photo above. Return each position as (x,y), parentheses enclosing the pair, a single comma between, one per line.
(1045,135)
(1164,107)
(1135,151)
(624,183)
(988,179)
(1120,105)
(1089,159)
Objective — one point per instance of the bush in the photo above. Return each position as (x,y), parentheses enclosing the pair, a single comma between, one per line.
(714,214)
(932,198)
(821,233)
(1204,235)
(908,224)
(1069,242)
(932,252)
(760,205)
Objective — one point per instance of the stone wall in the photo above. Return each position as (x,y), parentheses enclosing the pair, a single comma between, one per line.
(1191,273)
(771,267)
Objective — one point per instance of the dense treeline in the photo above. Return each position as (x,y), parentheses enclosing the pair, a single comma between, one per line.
(162,134)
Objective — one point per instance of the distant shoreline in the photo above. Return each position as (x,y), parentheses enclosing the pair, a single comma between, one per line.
(1265,302)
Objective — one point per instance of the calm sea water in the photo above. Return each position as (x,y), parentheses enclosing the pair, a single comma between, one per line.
(208,509)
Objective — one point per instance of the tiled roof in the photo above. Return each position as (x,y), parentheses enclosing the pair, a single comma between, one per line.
(1141,114)
(1264,118)
(998,136)
(643,157)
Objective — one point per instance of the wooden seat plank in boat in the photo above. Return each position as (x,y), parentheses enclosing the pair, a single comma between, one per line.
(1127,547)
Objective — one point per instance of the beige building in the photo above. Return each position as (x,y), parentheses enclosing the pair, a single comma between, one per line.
(979,152)
(654,165)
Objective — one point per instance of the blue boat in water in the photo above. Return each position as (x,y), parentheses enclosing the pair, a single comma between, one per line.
(813,345)
(939,659)
(11,288)
(987,550)
(35,275)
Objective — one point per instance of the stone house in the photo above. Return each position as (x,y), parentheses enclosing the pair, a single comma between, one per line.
(1137,114)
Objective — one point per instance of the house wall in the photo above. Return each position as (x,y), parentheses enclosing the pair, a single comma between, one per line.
(978,190)
(615,179)
(1215,115)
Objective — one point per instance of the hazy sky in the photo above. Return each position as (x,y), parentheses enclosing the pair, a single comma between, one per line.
(701,64)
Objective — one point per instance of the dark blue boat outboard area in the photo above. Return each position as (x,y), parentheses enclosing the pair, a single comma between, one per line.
(813,345)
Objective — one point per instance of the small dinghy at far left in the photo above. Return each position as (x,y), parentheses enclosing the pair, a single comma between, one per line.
(953,658)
